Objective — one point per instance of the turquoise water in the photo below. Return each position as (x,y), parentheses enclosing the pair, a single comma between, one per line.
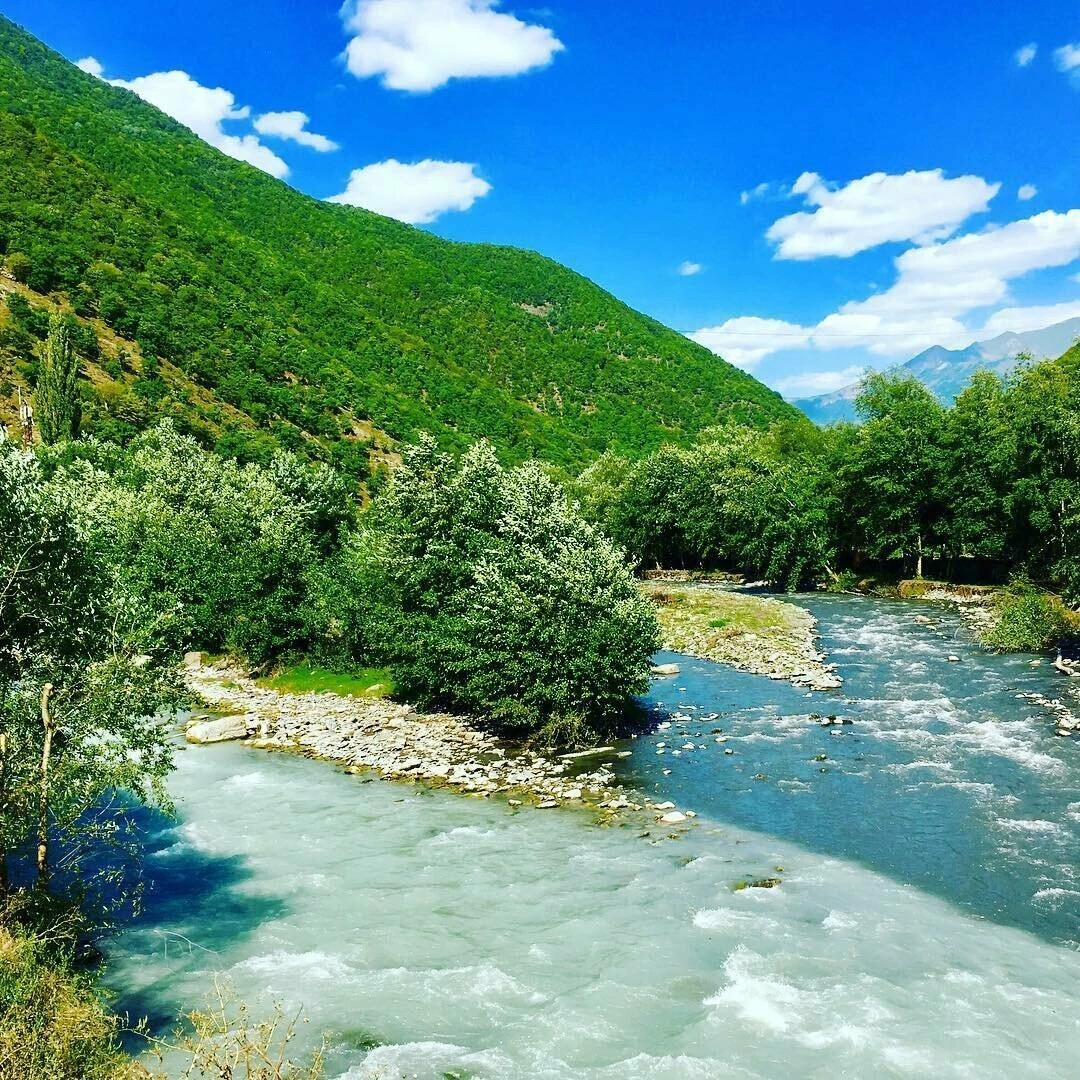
(946,778)
(924,925)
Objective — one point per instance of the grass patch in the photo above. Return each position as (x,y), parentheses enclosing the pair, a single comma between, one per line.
(309,679)
(716,609)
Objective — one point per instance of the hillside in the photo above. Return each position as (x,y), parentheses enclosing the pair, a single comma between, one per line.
(947,371)
(318,323)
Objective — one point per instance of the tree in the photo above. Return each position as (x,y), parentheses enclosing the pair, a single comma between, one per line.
(56,399)
(78,691)
(769,514)
(980,453)
(1044,407)
(487,593)
(893,477)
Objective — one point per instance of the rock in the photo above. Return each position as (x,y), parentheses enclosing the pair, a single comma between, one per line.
(954,659)
(672,818)
(729,751)
(547,804)
(586,753)
(513,802)
(659,670)
(664,806)
(223,730)
(573,793)
(193,660)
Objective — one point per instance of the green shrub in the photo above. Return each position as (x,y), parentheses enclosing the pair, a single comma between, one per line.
(1029,620)
(53,1024)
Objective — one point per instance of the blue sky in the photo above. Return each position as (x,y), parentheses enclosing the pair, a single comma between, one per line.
(847,184)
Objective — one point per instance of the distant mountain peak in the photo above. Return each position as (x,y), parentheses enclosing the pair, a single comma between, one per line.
(946,371)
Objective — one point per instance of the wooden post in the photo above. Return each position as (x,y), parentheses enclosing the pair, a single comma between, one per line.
(43,803)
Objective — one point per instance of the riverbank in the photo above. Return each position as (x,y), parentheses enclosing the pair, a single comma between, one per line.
(395,742)
(753,633)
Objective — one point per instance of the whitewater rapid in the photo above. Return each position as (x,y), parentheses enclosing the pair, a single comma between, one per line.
(428,934)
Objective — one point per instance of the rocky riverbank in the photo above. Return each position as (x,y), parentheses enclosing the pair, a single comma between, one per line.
(752,633)
(976,604)
(382,738)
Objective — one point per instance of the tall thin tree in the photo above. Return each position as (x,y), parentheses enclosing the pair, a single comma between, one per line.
(56,397)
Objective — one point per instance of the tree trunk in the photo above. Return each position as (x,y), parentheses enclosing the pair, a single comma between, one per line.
(3,815)
(43,804)
(918,561)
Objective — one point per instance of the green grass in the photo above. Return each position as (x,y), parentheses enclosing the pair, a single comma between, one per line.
(307,679)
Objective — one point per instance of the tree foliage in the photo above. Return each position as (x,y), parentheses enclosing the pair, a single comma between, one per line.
(57,410)
(995,477)
(80,683)
(487,593)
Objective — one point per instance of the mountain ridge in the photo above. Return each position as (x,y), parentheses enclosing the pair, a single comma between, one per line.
(307,315)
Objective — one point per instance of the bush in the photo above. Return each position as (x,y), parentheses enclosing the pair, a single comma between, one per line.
(486,593)
(220,554)
(53,1025)
(1029,620)
(19,265)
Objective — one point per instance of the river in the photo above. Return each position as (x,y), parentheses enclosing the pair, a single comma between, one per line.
(926,923)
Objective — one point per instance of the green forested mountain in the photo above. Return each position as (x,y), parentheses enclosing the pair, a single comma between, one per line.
(318,321)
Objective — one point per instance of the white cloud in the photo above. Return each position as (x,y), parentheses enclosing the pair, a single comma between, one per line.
(758,192)
(293,126)
(1027,191)
(689,269)
(877,209)
(937,287)
(422,44)
(416,193)
(745,340)
(91,65)
(202,109)
(1067,58)
(811,383)
(1025,54)
(1036,317)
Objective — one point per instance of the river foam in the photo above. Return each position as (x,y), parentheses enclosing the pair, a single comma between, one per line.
(453,936)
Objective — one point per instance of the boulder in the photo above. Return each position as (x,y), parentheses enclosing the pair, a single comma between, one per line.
(222,730)
(673,817)
(666,669)
(193,660)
